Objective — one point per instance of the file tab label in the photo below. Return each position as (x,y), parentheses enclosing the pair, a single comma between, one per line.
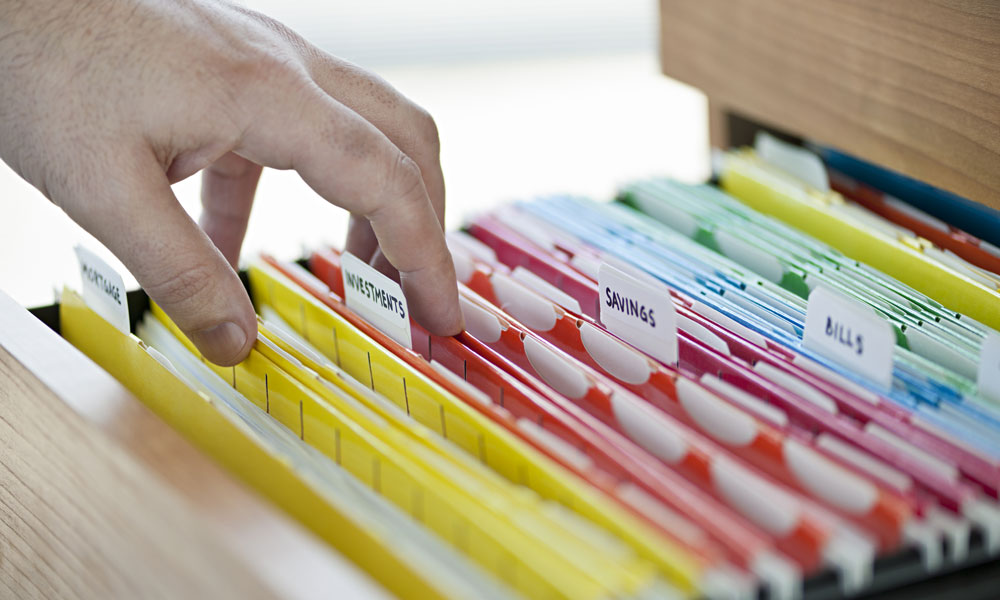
(103,289)
(850,334)
(639,312)
(376,298)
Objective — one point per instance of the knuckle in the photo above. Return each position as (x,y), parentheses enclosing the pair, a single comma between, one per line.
(402,183)
(426,130)
(240,83)
(281,31)
(405,181)
(271,27)
(275,66)
(189,285)
(439,256)
(417,133)
(267,60)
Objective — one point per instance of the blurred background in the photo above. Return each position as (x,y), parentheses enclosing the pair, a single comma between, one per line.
(529,97)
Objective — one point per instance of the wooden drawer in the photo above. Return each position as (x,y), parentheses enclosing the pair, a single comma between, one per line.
(102,499)
(912,85)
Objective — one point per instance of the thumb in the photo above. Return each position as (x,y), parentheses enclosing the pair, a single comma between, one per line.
(135,214)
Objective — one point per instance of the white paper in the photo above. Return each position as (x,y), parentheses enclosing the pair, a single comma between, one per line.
(378,299)
(103,289)
(794,160)
(989,367)
(850,334)
(639,312)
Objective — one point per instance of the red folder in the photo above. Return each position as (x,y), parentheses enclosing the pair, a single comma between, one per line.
(857,408)
(526,398)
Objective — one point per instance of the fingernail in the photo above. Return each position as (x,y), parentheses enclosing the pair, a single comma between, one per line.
(222,343)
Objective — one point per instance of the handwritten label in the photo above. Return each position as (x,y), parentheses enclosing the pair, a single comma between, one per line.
(375,297)
(989,367)
(850,334)
(103,289)
(639,312)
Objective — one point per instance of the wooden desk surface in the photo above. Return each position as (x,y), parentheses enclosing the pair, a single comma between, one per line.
(101,499)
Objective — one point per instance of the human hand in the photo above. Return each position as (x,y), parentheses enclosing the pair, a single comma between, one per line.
(105,103)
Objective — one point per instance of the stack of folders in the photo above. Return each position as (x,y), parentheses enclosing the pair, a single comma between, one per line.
(770,389)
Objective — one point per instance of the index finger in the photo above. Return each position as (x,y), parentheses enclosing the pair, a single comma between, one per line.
(352,164)
(406,125)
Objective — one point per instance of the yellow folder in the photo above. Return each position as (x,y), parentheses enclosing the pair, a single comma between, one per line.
(515,541)
(452,418)
(771,191)
(236,448)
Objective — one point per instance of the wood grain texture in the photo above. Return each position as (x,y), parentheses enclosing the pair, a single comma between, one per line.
(719,135)
(913,85)
(100,499)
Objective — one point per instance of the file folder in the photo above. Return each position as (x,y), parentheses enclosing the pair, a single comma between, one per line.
(809,416)
(769,191)
(338,523)
(517,544)
(749,547)
(321,319)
